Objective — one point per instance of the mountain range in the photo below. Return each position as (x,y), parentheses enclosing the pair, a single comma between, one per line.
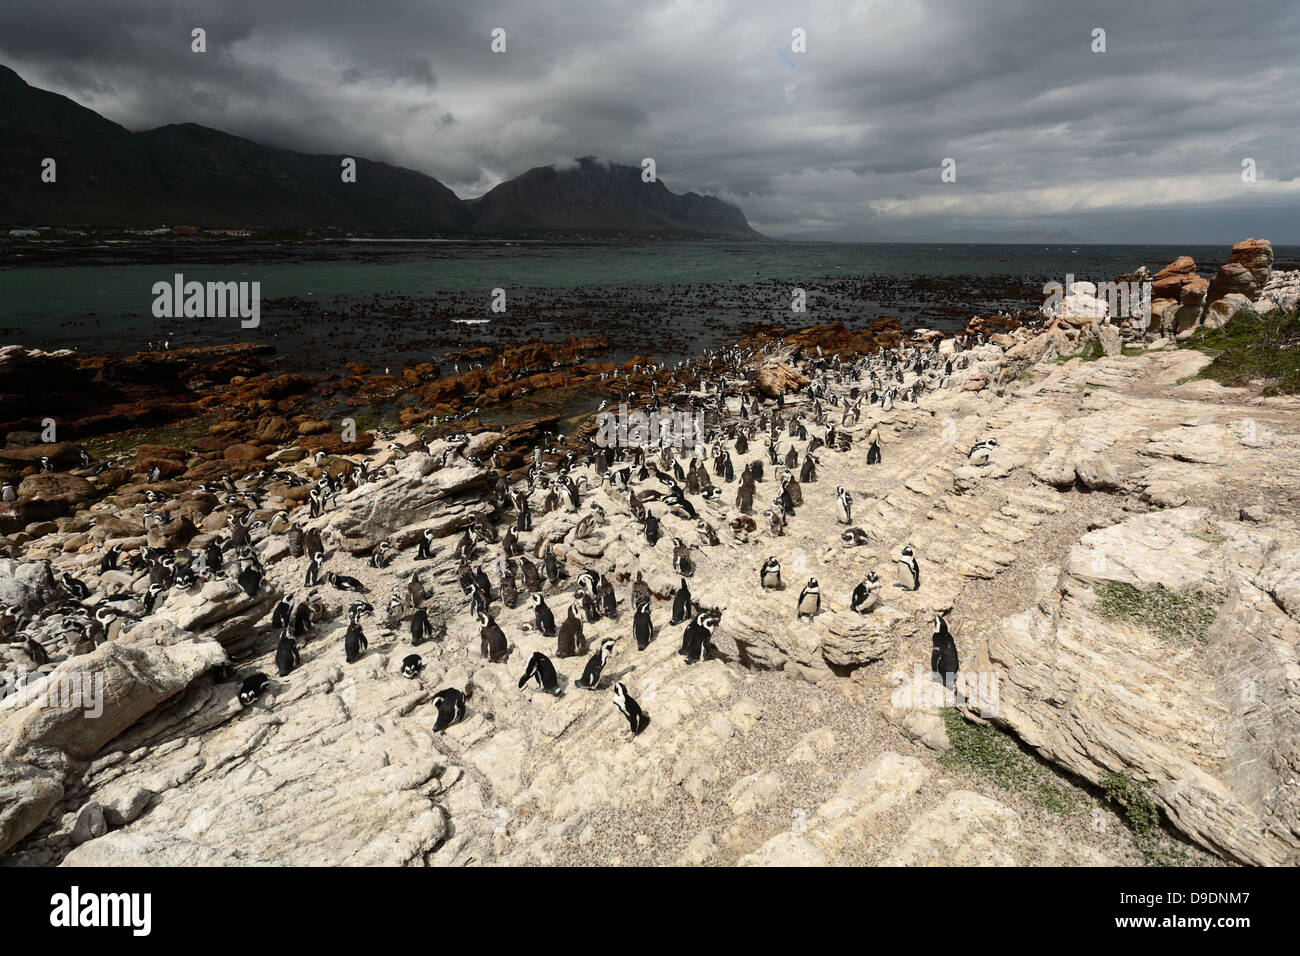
(108,176)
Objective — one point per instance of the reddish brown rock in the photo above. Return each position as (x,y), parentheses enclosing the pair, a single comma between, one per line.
(1245,272)
(243,452)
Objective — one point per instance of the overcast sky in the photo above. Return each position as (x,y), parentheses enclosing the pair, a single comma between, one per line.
(1141,143)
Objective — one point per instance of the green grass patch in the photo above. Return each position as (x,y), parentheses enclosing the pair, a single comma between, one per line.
(1252,349)
(123,444)
(1138,808)
(1176,615)
(995,755)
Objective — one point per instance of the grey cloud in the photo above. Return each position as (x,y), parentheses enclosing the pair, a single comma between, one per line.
(1140,143)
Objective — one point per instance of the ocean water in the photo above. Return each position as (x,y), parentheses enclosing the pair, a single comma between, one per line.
(101,299)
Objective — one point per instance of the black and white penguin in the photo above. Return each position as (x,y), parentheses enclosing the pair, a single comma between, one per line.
(425,550)
(250,580)
(854,537)
(421,629)
(769,575)
(543,617)
(282,616)
(109,561)
(909,571)
(354,642)
(252,688)
(286,655)
(943,654)
(642,626)
(636,719)
(873,449)
(697,638)
(651,530)
(492,640)
(541,670)
(843,506)
(681,604)
(590,678)
(342,582)
(866,596)
(981,451)
(313,570)
(450,704)
(412,664)
(810,600)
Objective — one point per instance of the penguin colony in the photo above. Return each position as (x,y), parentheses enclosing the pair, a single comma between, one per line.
(741,447)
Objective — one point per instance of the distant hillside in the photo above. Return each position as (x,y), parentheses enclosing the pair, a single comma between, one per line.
(186,173)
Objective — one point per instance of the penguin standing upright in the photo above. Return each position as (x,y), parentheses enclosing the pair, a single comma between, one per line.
(492,640)
(636,719)
(943,655)
(873,449)
(769,575)
(450,704)
(354,642)
(909,571)
(421,629)
(843,506)
(280,617)
(543,617)
(642,627)
(286,654)
(541,670)
(866,596)
(810,600)
(590,678)
(697,638)
(681,604)
(570,641)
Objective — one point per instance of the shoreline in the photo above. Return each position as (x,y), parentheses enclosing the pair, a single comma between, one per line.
(1112,456)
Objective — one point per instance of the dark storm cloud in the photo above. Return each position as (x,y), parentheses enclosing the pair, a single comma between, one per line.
(1143,142)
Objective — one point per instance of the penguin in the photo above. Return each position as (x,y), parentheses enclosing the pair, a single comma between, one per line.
(843,506)
(109,561)
(421,629)
(873,441)
(450,704)
(569,640)
(342,582)
(250,579)
(866,596)
(252,688)
(532,578)
(283,613)
(642,627)
(682,562)
(425,551)
(696,639)
(681,604)
(286,655)
(415,590)
(854,537)
(412,664)
(636,719)
(492,640)
(354,643)
(909,571)
(590,678)
(943,655)
(981,452)
(313,569)
(551,566)
(541,670)
(810,600)
(543,617)
(651,530)
(769,575)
